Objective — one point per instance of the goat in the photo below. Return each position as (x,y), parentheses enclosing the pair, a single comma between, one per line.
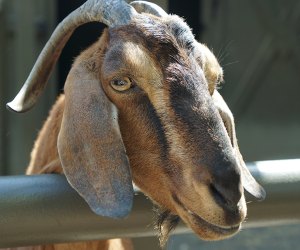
(141,105)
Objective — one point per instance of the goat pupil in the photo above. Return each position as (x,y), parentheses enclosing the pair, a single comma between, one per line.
(119,83)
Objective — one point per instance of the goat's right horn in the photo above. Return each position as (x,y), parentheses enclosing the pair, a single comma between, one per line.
(147,7)
(111,13)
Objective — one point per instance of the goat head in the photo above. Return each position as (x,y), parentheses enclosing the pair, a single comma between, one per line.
(141,104)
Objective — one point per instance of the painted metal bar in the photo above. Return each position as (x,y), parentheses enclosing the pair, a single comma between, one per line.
(45,209)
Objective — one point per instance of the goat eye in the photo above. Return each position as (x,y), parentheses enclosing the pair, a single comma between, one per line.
(121,84)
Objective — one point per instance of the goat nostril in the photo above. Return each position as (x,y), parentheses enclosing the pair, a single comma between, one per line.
(224,197)
(218,196)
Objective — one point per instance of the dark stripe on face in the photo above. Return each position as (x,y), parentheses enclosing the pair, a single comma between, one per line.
(187,97)
(205,134)
(152,117)
(193,106)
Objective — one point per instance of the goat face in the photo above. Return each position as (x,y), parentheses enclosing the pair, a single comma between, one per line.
(146,90)
(179,151)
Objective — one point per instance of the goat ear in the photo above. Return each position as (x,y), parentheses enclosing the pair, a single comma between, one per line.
(248,180)
(90,146)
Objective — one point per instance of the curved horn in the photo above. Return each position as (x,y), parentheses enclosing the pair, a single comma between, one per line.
(111,13)
(147,7)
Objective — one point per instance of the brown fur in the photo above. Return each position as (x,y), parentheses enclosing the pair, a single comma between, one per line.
(44,156)
(113,244)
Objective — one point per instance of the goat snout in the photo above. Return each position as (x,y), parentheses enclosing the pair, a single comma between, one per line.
(220,190)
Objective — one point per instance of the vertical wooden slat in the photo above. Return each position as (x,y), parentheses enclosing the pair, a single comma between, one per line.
(2,133)
(23,42)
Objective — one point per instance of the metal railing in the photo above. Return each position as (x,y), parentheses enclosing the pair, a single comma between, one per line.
(45,209)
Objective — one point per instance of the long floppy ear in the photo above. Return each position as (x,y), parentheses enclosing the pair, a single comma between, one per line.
(90,146)
(248,180)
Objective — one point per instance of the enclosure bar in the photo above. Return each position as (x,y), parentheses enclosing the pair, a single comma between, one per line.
(45,209)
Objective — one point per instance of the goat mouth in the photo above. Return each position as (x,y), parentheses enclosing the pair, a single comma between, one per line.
(205,229)
(217,229)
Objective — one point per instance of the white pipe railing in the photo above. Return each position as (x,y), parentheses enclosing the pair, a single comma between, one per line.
(45,209)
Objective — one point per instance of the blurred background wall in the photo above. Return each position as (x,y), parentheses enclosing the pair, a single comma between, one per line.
(25,28)
(257,43)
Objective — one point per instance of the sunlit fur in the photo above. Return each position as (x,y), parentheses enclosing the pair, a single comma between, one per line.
(179,151)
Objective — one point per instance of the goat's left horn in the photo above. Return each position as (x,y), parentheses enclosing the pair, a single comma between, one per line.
(147,7)
(111,13)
